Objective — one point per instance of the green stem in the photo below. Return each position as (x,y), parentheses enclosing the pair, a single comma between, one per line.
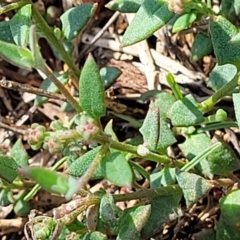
(40,22)
(148,193)
(62,89)
(209,103)
(131,149)
(13,6)
(215,126)
(200,157)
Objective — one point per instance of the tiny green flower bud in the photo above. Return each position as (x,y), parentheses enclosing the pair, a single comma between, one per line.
(177,6)
(36,134)
(87,127)
(56,125)
(53,144)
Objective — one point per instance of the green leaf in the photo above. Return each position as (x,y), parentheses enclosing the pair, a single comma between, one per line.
(92,96)
(163,209)
(109,75)
(8,168)
(194,146)
(20,25)
(49,180)
(21,207)
(109,130)
(94,236)
(125,6)
(223,161)
(174,86)
(49,86)
(164,101)
(155,14)
(225,231)
(19,154)
(151,128)
(228,225)
(221,32)
(6,35)
(157,135)
(74,20)
(236,103)
(193,186)
(116,169)
(165,177)
(16,55)
(230,208)
(109,213)
(221,75)
(184,21)
(133,221)
(185,113)
(80,165)
(166,137)
(201,47)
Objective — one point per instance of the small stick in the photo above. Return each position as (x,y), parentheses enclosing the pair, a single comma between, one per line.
(26,88)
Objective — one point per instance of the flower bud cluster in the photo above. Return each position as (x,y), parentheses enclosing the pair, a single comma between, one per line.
(87,127)
(177,6)
(36,135)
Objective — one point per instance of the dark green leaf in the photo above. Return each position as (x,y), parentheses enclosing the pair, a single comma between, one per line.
(80,165)
(193,186)
(226,231)
(109,75)
(185,113)
(223,161)
(155,14)
(92,96)
(184,21)
(8,168)
(20,25)
(18,56)
(201,47)
(49,86)
(116,169)
(221,32)
(19,154)
(133,221)
(165,177)
(21,207)
(109,213)
(163,209)
(230,208)
(6,35)
(221,75)
(74,20)
(125,6)
(228,225)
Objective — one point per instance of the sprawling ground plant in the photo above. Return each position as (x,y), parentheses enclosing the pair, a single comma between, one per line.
(92,151)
